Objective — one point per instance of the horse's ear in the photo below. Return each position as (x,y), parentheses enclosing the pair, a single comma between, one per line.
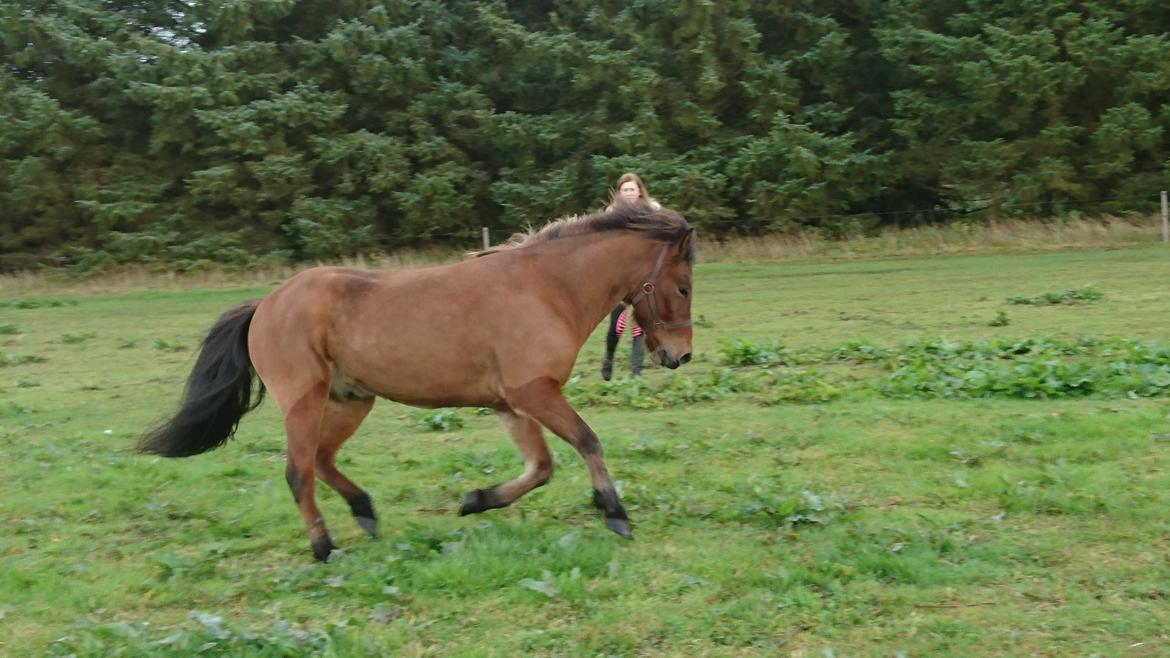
(686,246)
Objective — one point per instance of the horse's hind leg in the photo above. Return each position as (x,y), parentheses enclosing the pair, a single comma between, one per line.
(302,422)
(538,469)
(340,422)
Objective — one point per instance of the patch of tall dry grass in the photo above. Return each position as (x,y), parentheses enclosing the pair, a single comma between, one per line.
(131,278)
(955,238)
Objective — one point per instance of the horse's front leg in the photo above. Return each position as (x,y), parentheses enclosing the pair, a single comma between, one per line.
(542,400)
(538,467)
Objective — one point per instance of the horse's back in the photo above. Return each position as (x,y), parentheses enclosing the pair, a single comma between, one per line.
(422,336)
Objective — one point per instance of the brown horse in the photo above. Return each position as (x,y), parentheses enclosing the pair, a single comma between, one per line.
(501,331)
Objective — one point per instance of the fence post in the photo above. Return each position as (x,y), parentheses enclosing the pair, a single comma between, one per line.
(487,242)
(1165,219)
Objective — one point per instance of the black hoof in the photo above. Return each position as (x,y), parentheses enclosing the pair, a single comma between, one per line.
(480,500)
(363,513)
(621,527)
(322,548)
(369,525)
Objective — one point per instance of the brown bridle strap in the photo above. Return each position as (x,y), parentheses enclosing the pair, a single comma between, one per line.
(648,292)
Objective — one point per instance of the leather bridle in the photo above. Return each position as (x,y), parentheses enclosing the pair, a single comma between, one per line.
(647,292)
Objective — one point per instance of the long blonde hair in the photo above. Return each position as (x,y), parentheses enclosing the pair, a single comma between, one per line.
(643,193)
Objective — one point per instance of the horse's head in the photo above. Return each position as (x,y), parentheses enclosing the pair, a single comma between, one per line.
(662,303)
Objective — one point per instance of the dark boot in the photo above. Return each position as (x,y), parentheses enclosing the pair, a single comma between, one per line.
(637,349)
(607,367)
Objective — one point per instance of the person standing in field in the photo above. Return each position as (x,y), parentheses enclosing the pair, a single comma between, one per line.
(630,190)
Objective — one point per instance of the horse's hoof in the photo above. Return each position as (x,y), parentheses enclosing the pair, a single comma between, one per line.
(369,525)
(322,548)
(472,503)
(621,527)
(479,500)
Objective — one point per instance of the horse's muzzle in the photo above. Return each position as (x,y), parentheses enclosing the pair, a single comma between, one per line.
(666,360)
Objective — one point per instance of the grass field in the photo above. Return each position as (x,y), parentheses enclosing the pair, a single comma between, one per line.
(878,502)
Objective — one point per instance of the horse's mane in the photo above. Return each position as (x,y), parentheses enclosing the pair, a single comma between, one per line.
(662,225)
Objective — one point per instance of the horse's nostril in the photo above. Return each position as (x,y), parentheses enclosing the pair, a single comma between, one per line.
(686,358)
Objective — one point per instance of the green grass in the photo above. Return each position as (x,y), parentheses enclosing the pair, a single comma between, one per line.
(784,500)
(1085,293)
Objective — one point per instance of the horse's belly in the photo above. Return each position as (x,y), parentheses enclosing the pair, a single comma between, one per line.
(419,383)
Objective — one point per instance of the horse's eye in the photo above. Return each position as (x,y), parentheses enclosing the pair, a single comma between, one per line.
(685,292)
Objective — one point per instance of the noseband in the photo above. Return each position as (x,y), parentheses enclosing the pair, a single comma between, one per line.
(647,292)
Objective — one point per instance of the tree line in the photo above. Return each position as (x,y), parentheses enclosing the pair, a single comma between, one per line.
(180,132)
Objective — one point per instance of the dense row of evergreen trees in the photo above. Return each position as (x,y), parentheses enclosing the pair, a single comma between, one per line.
(179,130)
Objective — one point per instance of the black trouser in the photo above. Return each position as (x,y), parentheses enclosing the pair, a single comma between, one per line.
(611,340)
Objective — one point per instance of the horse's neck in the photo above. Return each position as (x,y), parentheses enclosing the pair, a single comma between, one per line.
(596,275)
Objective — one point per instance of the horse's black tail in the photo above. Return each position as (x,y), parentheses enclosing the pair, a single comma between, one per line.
(218,393)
